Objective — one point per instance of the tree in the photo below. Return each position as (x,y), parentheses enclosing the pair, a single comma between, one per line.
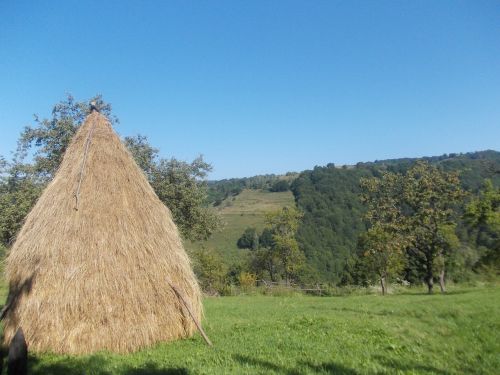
(249,239)
(17,195)
(266,239)
(283,224)
(483,216)
(419,207)
(210,270)
(182,187)
(265,263)
(430,195)
(384,243)
(383,252)
(448,243)
(144,154)
(279,186)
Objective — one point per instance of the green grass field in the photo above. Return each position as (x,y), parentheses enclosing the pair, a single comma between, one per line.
(412,333)
(247,209)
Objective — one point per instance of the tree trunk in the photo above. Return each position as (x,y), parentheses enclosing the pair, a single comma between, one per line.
(430,275)
(382,284)
(430,283)
(441,281)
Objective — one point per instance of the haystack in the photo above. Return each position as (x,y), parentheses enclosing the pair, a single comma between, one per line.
(90,268)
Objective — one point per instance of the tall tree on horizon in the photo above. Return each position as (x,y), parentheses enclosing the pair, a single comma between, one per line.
(419,208)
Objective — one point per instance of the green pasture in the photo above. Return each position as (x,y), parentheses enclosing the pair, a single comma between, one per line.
(247,209)
(409,333)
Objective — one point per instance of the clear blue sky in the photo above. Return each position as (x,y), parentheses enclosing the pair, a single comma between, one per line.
(263,86)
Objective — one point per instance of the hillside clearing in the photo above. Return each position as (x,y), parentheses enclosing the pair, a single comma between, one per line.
(247,209)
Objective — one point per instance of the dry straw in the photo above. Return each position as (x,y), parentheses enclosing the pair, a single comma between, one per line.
(95,278)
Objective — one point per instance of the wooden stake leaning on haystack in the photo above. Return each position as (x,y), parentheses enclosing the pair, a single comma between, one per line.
(87,271)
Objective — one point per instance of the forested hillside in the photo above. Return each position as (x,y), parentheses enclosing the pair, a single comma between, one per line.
(333,211)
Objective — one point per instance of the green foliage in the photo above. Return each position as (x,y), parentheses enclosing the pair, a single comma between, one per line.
(144,154)
(483,216)
(181,186)
(210,270)
(18,193)
(247,280)
(266,238)
(430,195)
(265,264)
(283,224)
(333,218)
(413,211)
(280,185)
(383,253)
(249,239)
(331,200)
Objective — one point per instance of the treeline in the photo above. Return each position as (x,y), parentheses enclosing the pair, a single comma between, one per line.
(222,189)
(335,215)
(413,221)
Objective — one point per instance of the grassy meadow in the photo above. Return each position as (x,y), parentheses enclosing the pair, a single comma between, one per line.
(409,333)
(247,209)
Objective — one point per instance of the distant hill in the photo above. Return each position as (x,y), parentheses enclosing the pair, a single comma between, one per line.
(330,199)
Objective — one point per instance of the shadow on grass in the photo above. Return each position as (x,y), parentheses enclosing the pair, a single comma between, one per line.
(438,293)
(409,366)
(98,366)
(322,368)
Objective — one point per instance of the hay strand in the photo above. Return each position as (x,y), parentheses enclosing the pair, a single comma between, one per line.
(84,161)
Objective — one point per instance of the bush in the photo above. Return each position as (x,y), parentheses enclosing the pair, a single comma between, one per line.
(247,280)
(280,185)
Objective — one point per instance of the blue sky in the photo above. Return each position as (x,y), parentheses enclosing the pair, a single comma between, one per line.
(263,86)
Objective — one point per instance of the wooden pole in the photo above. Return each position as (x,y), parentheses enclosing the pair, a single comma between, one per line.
(186,304)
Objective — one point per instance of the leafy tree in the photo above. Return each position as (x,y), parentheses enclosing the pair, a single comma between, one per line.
(449,244)
(384,243)
(210,270)
(483,216)
(430,195)
(279,186)
(283,224)
(17,195)
(265,263)
(383,252)
(182,187)
(418,207)
(266,238)
(144,154)
(249,239)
